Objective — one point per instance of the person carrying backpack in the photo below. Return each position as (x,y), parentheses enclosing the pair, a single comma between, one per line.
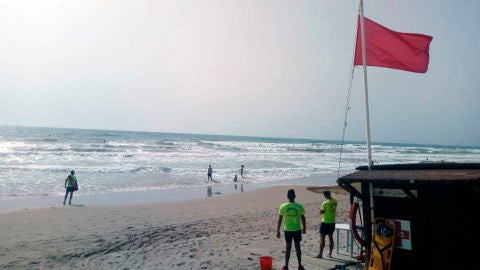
(71,185)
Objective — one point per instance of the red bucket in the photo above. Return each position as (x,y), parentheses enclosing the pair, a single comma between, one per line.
(266,262)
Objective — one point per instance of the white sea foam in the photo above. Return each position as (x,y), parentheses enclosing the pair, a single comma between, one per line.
(36,161)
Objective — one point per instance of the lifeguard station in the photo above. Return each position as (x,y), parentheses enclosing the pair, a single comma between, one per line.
(434,207)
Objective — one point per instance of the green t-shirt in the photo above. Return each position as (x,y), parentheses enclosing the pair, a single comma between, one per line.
(330,207)
(70,183)
(291,212)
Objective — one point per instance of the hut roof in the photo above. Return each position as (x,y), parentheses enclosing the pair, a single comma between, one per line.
(463,172)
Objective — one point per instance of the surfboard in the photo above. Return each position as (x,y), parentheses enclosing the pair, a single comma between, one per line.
(383,242)
(334,188)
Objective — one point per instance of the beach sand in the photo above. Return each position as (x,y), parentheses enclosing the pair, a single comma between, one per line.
(221,232)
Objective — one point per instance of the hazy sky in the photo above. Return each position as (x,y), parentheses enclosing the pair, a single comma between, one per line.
(258,68)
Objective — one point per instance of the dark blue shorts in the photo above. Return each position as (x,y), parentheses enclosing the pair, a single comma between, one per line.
(70,189)
(296,236)
(327,228)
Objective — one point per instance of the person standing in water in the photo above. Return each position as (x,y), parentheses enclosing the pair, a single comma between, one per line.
(241,171)
(209,173)
(70,182)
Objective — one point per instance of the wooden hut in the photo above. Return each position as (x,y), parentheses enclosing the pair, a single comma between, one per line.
(436,207)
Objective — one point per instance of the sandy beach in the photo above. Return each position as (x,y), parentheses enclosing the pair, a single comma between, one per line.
(229,231)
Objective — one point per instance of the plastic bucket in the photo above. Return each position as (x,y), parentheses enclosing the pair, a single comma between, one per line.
(266,262)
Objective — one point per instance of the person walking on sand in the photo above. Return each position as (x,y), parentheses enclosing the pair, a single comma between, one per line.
(70,183)
(209,173)
(293,213)
(327,226)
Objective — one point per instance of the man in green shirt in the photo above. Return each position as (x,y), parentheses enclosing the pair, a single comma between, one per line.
(327,227)
(292,212)
(70,182)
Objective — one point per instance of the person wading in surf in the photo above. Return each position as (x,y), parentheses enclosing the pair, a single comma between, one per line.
(209,173)
(70,183)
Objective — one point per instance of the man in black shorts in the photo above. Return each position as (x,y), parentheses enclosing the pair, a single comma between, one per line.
(292,212)
(327,227)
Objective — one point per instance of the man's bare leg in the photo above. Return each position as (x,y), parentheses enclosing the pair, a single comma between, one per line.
(331,244)
(287,254)
(322,246)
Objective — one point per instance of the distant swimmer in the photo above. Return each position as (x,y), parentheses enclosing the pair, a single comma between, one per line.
(209,173)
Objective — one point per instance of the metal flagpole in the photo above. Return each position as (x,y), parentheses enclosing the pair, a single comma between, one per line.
(365,83)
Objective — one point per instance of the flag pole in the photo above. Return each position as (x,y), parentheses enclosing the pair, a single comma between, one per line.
(365,83)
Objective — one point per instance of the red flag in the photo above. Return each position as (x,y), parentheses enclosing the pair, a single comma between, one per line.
(390,49)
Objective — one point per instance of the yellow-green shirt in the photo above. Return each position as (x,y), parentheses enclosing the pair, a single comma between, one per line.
(330,207)
(69,182)
(291,212)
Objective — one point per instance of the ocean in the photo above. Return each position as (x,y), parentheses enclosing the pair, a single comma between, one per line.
(35,161)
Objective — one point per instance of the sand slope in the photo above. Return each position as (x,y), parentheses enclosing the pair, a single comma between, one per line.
(221,232)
